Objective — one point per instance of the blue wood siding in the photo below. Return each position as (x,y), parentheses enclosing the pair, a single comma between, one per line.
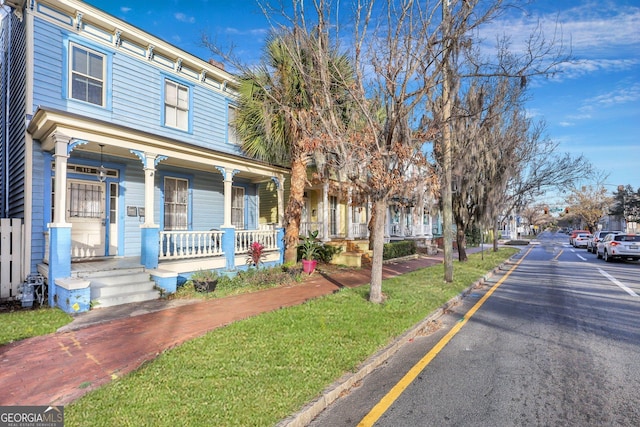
(135,87)
(41,212)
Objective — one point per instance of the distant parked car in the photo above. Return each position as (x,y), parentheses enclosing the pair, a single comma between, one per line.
(574,233)
(620,246)
(598,236)
(581,239)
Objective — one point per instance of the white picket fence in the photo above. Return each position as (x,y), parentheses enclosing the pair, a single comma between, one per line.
(11,244)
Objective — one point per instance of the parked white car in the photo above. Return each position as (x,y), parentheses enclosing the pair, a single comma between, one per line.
(620,246)
(581,239)
(598,236)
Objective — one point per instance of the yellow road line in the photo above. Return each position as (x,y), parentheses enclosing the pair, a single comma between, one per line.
(555,258)
(397,390)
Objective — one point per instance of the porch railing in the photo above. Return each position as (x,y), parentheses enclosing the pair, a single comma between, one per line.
(359,230)
(306,227)
(190,244)
(244,239)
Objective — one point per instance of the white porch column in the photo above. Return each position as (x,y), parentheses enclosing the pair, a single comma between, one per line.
(149,163)
(325,212)
(149,230)
(280,192)
(228,174)
(61,155)
(420,217)
(149,191)
(349,215)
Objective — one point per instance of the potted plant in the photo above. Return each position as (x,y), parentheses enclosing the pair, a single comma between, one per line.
(205,280)
(309,252)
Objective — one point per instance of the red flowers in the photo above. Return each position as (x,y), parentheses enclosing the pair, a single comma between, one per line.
(255,253)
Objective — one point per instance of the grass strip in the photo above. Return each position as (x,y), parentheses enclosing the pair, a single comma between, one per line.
(20,324)
(258,371)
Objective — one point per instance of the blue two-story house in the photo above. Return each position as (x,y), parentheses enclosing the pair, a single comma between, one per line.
(118,155)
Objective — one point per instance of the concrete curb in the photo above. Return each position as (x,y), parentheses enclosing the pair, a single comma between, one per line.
(347,381)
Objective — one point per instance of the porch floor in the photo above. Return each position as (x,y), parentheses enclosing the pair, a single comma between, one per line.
(83,268)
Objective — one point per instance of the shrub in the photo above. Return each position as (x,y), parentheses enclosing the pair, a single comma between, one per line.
(473,236)
(326,253)
(259,278)
(399,249)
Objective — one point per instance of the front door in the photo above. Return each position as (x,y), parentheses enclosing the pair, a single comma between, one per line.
(86,213)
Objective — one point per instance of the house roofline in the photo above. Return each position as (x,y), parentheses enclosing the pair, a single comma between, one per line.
(112,25)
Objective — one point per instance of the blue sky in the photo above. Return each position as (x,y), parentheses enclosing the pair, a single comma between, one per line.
(592,107)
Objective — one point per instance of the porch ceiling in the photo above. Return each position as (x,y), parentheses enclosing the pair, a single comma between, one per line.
(120,140)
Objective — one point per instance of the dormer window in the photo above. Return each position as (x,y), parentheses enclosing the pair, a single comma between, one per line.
(87,70)
(176,105)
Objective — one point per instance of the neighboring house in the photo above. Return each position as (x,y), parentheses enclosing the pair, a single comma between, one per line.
(118,156)
(341,216)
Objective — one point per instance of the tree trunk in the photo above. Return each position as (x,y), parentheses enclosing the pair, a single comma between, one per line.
(462,243)
(375,291)
(495,235)
(294,210)
(372,227)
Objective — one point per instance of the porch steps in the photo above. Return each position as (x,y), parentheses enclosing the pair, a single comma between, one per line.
(354,252)
(110,288)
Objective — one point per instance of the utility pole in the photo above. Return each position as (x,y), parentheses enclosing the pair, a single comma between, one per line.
(447,202)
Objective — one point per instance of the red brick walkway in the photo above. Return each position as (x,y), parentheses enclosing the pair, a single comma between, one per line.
(61,367)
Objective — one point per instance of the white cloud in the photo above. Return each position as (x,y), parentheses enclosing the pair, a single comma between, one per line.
(602,32)
(617,97)
(579,68)
(125,9)
(184,18)
(256,32)
(592,33)
(566,124)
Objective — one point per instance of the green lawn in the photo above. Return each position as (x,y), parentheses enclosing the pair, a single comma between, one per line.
(20,324)
(259,371)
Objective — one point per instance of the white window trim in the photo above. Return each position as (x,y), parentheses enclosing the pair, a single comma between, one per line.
(176,107)
(165,203)
(235,208)
(71,71)
(232,134)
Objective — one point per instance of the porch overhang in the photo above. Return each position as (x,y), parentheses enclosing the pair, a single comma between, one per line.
(121,140)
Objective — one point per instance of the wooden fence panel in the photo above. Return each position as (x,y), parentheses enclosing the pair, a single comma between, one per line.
(10,257)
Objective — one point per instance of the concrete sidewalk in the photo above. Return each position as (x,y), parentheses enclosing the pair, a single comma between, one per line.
(107,343)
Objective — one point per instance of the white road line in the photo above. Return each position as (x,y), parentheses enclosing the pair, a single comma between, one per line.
(581,257)
(615,281)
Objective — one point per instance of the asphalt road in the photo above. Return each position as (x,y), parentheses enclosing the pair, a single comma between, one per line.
(555,341)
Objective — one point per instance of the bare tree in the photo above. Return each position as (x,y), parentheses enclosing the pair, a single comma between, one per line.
(463,60)
(589,203)
(537,215)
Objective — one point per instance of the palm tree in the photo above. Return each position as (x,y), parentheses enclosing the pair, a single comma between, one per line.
(279,112)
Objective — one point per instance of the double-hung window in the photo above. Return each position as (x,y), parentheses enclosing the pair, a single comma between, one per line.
(237,207)
(87,75)
(176,203)
(176,105)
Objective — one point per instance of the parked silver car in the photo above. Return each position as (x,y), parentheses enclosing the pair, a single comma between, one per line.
(598,236)
(620,246)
